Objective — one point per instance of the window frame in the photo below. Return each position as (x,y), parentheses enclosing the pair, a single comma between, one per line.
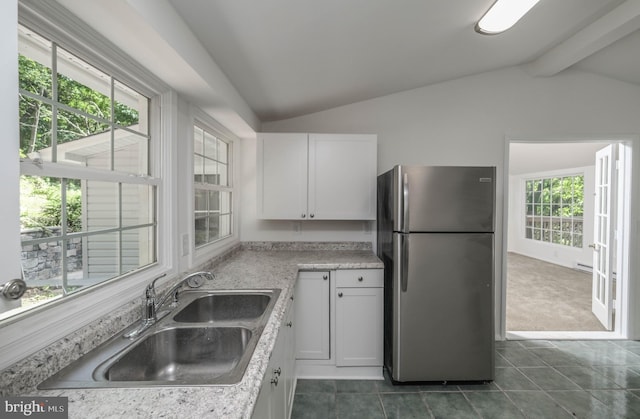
(108,174)
(34,329)
(203,253)
(208,187)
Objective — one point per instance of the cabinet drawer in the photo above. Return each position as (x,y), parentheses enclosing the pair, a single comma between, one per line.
(359,278)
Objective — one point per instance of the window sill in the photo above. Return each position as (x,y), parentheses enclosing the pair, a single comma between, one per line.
(52,322)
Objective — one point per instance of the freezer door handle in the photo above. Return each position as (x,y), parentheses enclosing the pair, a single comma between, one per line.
(405,202)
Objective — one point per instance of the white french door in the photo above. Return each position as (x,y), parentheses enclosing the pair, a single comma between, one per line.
(603,237)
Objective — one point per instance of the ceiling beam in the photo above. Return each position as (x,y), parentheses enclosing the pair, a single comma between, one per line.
(613,26)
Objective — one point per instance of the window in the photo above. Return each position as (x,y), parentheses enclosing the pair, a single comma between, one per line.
(554,210)
(212,186)
(87,197)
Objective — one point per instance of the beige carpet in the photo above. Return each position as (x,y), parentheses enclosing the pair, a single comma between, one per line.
(545,297)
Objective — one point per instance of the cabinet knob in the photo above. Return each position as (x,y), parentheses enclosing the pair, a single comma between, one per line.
(360,278)
(312,215)
(304,215)
(325,277)
(340,294)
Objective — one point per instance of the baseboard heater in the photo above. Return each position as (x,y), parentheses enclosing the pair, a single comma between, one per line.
(584,268)
(589,269)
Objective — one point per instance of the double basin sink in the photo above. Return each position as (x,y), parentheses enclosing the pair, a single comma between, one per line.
(207,339)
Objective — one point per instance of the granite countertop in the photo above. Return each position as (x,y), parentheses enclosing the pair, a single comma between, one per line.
(251,268)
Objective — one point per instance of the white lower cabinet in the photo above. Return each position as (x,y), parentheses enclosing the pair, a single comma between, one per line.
(340,324)
(278,385)
(358,327)
(359,317)
(312,315)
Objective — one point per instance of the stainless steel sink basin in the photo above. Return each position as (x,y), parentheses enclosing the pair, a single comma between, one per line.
(207,339)
(194,355)
(224,307)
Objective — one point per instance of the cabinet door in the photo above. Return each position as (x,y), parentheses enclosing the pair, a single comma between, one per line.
(359,327)
(278,388)
(288,359)
(276,393)
(282,176)
(262,408)
(342,176)
(312,315)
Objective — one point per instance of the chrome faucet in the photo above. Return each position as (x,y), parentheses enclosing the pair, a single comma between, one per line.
(152,305)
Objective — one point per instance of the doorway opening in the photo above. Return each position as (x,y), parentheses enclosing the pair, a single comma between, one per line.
(566,260)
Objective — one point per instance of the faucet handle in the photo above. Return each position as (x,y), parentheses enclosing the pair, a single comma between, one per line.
(150,291)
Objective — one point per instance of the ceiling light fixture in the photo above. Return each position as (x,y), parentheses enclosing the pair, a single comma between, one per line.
(502,15)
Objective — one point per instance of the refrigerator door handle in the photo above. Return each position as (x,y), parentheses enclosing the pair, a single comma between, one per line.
(405,202)
(404,258)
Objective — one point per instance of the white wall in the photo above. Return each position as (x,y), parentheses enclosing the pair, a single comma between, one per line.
(464,122)
(554,253)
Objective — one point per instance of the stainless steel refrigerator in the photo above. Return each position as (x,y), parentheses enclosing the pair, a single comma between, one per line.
(436,239)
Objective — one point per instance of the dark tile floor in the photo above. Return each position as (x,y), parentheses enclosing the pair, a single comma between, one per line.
(534,379)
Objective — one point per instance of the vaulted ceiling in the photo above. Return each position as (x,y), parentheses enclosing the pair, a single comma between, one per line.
(292,57)
(251,61)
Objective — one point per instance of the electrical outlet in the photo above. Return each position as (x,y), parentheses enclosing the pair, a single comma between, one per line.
(297,227)
(366,227)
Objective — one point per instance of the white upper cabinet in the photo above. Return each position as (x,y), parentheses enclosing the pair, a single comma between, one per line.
(317,176)
(282,176)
